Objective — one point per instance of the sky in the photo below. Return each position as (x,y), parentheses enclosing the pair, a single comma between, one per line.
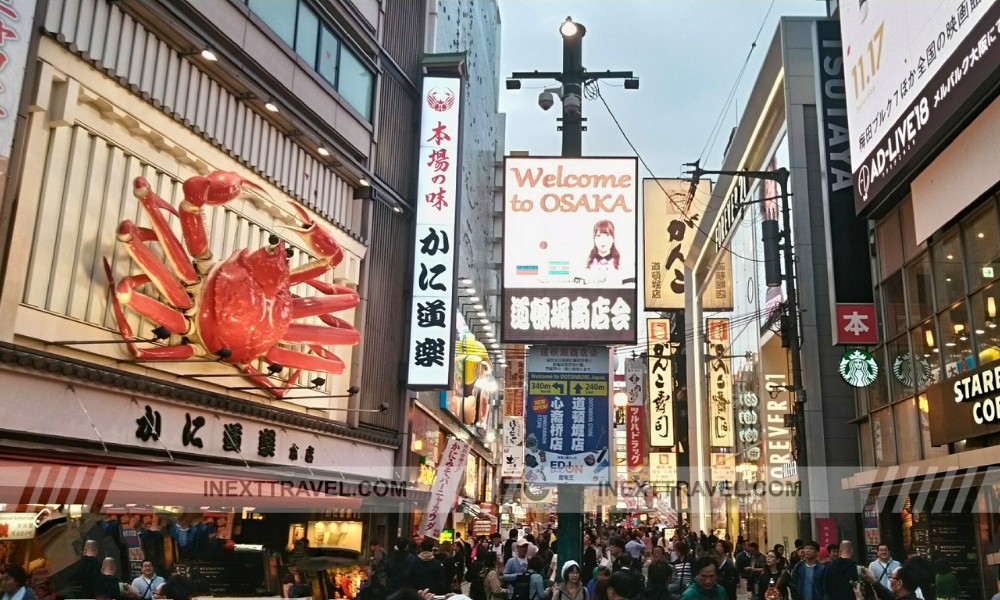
(687,55)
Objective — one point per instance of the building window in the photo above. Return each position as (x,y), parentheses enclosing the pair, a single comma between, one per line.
(300,27)
(890,245)
(901,363)
(884,438)
(982,247)
(920,288)
(926,363)
(895,305)
(985,307)
(907,429)
(949,274)
(956,340)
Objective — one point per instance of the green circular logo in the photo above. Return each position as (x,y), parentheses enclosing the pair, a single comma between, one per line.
(858,367)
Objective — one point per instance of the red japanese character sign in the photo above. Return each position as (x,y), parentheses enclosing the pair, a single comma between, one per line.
(856,324)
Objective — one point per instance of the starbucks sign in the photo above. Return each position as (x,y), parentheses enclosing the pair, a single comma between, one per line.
(858,367)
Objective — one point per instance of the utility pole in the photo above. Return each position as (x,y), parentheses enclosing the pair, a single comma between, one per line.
(773,241)
(573,78)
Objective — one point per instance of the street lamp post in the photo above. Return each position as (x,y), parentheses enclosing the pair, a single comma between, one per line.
(773,275)
(573,78)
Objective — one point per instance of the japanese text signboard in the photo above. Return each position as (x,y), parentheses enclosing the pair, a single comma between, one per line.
(663,469)
(567,415)
(635,431)
(444,492)
(856,324)
(661,383)
(671,215)
(431,326)
(569,262)
(909,67)
(16,21)
(720,383)
(17,526)
(512,440)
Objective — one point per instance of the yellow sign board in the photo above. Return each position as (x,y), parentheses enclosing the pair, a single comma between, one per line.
(548,387)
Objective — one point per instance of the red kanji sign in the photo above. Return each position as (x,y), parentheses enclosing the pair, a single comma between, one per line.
(856,324)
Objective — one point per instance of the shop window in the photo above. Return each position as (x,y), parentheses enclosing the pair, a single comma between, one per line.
(985,307)
(910,246)
(884,438)
(925,430)
(277,16)
(329,50)
(878,392)
(894,305)
(949,276)
(920,288)
(900,361)
(982,247)
(956,340)
(907,430)
(867,451)
(356,83)
(926,365)
(890,245)
(308,35)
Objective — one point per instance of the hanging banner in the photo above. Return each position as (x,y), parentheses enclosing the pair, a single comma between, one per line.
(514,374)
(431,355)
(635,430)
(661,383)
(663,469)
(569,258)
(567,415)
(512,442)
(513,402)
(444,492)
(720,384)
(672,213)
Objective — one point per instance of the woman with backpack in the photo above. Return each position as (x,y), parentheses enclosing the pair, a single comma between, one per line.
(773,582)
(485,579)
(530,585)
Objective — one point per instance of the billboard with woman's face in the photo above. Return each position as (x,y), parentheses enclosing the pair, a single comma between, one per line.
(569,243)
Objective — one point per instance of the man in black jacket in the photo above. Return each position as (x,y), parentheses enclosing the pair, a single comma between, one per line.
(841,574)
(430,572)
(400,567)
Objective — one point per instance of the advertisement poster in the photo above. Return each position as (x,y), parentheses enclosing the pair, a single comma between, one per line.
(663,469)
(723,468)
(436,247)
(672,213)
(512,441)
(567,415)
(661,383)
(569,254)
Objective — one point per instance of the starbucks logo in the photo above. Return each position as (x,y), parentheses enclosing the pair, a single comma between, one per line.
(911,371)
(858,368)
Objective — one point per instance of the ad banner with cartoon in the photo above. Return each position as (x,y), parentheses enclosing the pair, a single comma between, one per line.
(569,259)
(566,416)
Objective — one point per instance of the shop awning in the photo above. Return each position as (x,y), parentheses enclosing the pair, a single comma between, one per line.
(39,482)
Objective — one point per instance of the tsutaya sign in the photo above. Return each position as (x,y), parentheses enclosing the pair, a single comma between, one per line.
(965,407)
(431,319)
(569,260)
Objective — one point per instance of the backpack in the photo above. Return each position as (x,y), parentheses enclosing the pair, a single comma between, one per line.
(477,588)
(522,586)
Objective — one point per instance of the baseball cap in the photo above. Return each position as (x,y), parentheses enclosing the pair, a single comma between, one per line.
(522,542)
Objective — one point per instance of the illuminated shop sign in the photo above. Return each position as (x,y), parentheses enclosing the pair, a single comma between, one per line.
(966,407)
(569,260)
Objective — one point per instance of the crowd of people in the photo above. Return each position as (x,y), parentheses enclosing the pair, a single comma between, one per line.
(641,564)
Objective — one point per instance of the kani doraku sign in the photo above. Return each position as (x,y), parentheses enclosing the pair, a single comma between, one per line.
(569,250)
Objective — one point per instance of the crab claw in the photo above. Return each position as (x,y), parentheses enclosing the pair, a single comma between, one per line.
(218,187)
(318,238)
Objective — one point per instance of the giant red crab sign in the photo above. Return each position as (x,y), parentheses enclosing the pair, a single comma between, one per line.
(237,310)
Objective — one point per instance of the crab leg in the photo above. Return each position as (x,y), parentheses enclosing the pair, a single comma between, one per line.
(321,334)
(216,188)
(153,204)
(158,273)
(166,352)
(156,311)
(301,360)
(321,242)
(339,297)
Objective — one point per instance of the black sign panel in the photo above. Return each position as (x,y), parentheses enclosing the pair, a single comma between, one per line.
(965,407)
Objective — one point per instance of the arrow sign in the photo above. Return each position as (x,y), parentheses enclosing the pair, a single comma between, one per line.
(561,387)
(578,388)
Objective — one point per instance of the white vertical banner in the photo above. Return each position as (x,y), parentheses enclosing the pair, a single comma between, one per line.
(661,383)
(444,492)
(431,338)
(720,384)
(512,441)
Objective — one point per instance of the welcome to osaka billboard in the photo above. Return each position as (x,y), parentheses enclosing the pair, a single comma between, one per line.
(569,262)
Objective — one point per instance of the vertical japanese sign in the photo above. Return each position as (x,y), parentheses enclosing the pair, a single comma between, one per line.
(671,215)
(720,383)
(431,327)
(718,294)
(513,447)
(569,254)
(723,468)
(15,36)
(444,492)
(635,431)
(567,415)
(661,383)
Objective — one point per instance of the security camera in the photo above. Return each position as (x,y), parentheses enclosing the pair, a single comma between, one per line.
(572,104)
(383,408)
(546,100)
